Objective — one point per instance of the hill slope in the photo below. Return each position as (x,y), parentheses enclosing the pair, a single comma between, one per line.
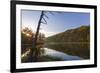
(80,34)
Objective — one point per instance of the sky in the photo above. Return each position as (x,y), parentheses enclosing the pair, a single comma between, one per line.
(56,22)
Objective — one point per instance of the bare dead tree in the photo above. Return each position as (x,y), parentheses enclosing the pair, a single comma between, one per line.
(42,20)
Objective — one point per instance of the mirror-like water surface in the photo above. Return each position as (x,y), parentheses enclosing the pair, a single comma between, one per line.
(61,55)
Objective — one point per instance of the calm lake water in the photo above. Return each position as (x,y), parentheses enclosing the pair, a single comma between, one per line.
(61,55)
(73,49)
(59,52)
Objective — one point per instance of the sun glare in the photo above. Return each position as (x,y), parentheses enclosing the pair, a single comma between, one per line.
(28,34)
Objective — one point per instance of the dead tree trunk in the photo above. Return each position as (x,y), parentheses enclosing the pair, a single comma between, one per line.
(34,49)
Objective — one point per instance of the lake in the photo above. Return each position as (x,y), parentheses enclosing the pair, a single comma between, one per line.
(61,55)
(54,53)
(79,49)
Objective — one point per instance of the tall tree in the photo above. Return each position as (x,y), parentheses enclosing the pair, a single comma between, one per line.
(42,20)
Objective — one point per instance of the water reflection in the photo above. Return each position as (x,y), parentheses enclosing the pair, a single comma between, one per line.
(61,55)
(75,49)
(28,56)
(56,52)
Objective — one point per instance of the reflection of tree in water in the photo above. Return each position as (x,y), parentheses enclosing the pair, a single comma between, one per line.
(27,37)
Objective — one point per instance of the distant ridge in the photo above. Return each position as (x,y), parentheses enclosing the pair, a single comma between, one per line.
(79,34)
